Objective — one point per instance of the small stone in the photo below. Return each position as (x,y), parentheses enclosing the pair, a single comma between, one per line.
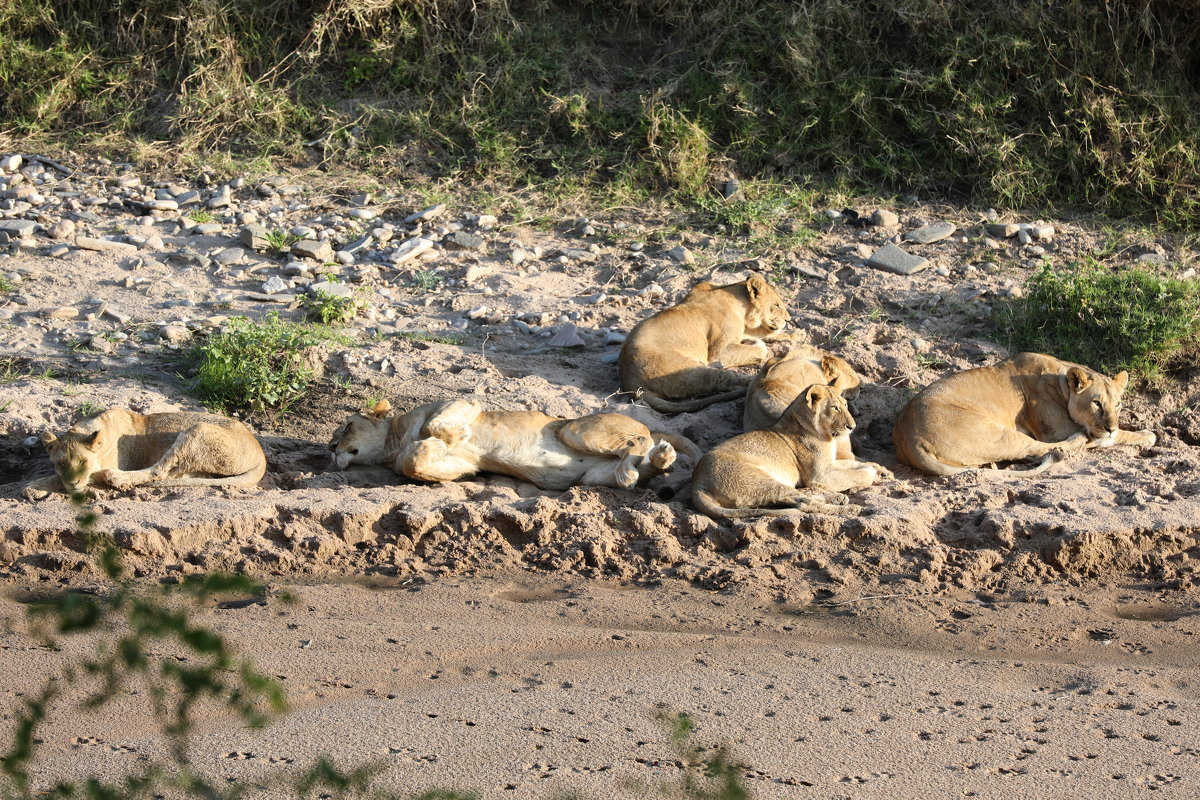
(1036,250)
(162,205)
(174,333)
(63,312)
(992,244)
(207,228)
(461,240)
(566,335)
(88,243)
(188,198)
(1023,236)
(833,214)
(1187,274)
(11,163)
(331,288)
(187,257)
(317,249)
(653,290)
(357,244)
(361,214)
(863,250)
(1004,230)
(517,257)
(62,229)
(360,200)
(254,237)
(343,257)
(681,255)
(928,234)
(1042,232)
(637,247)
(18,227)
(274,285)
(891,258)
(883,218)
(282,297)
(594,299)
(477,312)
(1146,258)
(411,249)
(943,271)
(426,215)
(295,268)
(808,270)
(230,255)
(220,200)
(614,337)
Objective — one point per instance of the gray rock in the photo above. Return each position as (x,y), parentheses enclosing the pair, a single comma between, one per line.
(255,237)
(62,229)
(230,255)
(220,200)
(1003,230)
(360,201)
(681,255)
(933,232)
(361,214)
(274,285)
(884,218)
(207,228)
(64,312)
(806,270)
(477,312)
(423,216)
(891,258)
(1146,258)
(317,249)
(461,240)
(18,227)
(357,244)
(343,257)
(566,335)
(188,257)
(88,243)
(187,198)
(1043,232)
(58,251)
(411,249)
(11,163)
(174,333)
(270,298)
(331,288)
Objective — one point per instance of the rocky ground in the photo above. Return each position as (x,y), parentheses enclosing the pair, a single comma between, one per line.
(109,277)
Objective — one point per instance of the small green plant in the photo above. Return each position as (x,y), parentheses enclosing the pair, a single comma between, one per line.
(280,241)
(421,336)
(258,365)
(89,409)
(427,280)
(6,285)
(331,309)
(1107,319)
(201,216)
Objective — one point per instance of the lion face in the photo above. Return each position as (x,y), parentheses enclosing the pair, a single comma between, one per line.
(76,456)
(360,439)
(768,312)
(1094,403)
(819,409)
(841,375)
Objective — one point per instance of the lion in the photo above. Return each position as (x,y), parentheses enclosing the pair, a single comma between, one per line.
(456,438)
(754,473)
(780,381)
(679,359)
(1023,407)
(123,449)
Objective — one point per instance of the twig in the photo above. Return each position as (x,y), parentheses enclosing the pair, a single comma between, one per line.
(868,597)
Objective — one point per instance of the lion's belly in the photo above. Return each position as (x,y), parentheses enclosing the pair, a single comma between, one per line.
(538,457)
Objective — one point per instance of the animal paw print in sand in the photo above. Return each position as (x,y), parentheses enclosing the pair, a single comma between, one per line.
(85,741)
(410,754)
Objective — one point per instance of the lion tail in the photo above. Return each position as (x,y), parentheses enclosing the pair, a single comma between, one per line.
(682,444)
(708,504)
(660,403)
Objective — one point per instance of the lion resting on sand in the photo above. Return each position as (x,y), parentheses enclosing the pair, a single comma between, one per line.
(753,473)
(782,379)
(456,438)
(683,352)
(123,449)
(1023,407)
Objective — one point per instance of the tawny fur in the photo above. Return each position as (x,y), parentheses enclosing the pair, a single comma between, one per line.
(782,379)
(679,359)
(755,473)
(454,439)
(123,449)
(1023,407)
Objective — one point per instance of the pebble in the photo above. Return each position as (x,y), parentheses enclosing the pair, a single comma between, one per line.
(331,288)
(207,228)
(174,333)
(1043,232)
(928,234)
(681,255)
(1187,274)
(411,249)
(891,258)
(317,249)
(344,257)
(517,257)
(361,214)
(274,285)
(653,290)
(18,227)
(1023,236)
(461,240)
(423,216)
(11,163)
(1036,250)
(88,243)
(254,237)
(63,312)
(230,255)
(614,337)
(884,218)
(1148,258)
(1005,230)
(62,229)
(566,335)
(477,312)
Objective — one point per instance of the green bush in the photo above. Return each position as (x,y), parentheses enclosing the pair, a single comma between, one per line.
(258,365)
(1107,319)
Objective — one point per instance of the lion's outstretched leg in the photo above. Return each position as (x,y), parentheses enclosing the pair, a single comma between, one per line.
(452,422)
(210,449)
(42,487)
(431,460)
(737,355)
(1133,438)
(615,435)
(846,475)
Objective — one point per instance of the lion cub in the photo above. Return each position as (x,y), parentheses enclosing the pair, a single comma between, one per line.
(684,351)
(123,449)
(1022,407)
(750,473)
(455,438)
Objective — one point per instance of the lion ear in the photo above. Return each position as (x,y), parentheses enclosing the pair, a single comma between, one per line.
(755,285)
(1120,381)
(829,366)
(815,394)
(1078,379)
(380,409)
(91,441)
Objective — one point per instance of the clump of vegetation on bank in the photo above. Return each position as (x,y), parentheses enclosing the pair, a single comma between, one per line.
(1015,105)
(1107,319)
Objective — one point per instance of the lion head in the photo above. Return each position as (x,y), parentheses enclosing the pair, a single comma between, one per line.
(819,410)
(76,456)
(360,439)
(1094,402)
(767,311)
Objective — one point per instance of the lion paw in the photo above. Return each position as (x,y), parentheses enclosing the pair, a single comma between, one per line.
(1142,438)
(35,493)
(115,478)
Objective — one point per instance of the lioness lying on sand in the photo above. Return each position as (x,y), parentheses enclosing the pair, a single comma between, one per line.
(1023,407)
(683,352)
(453,439)
(749,474)
(123,449)
(782,379)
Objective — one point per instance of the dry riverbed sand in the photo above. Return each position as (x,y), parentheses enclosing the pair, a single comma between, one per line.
(977,635)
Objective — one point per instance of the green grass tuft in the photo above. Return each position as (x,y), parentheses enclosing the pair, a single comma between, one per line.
(258,365)
(330,309)
(1110,320)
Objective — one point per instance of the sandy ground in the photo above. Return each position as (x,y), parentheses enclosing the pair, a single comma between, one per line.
(979,635)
